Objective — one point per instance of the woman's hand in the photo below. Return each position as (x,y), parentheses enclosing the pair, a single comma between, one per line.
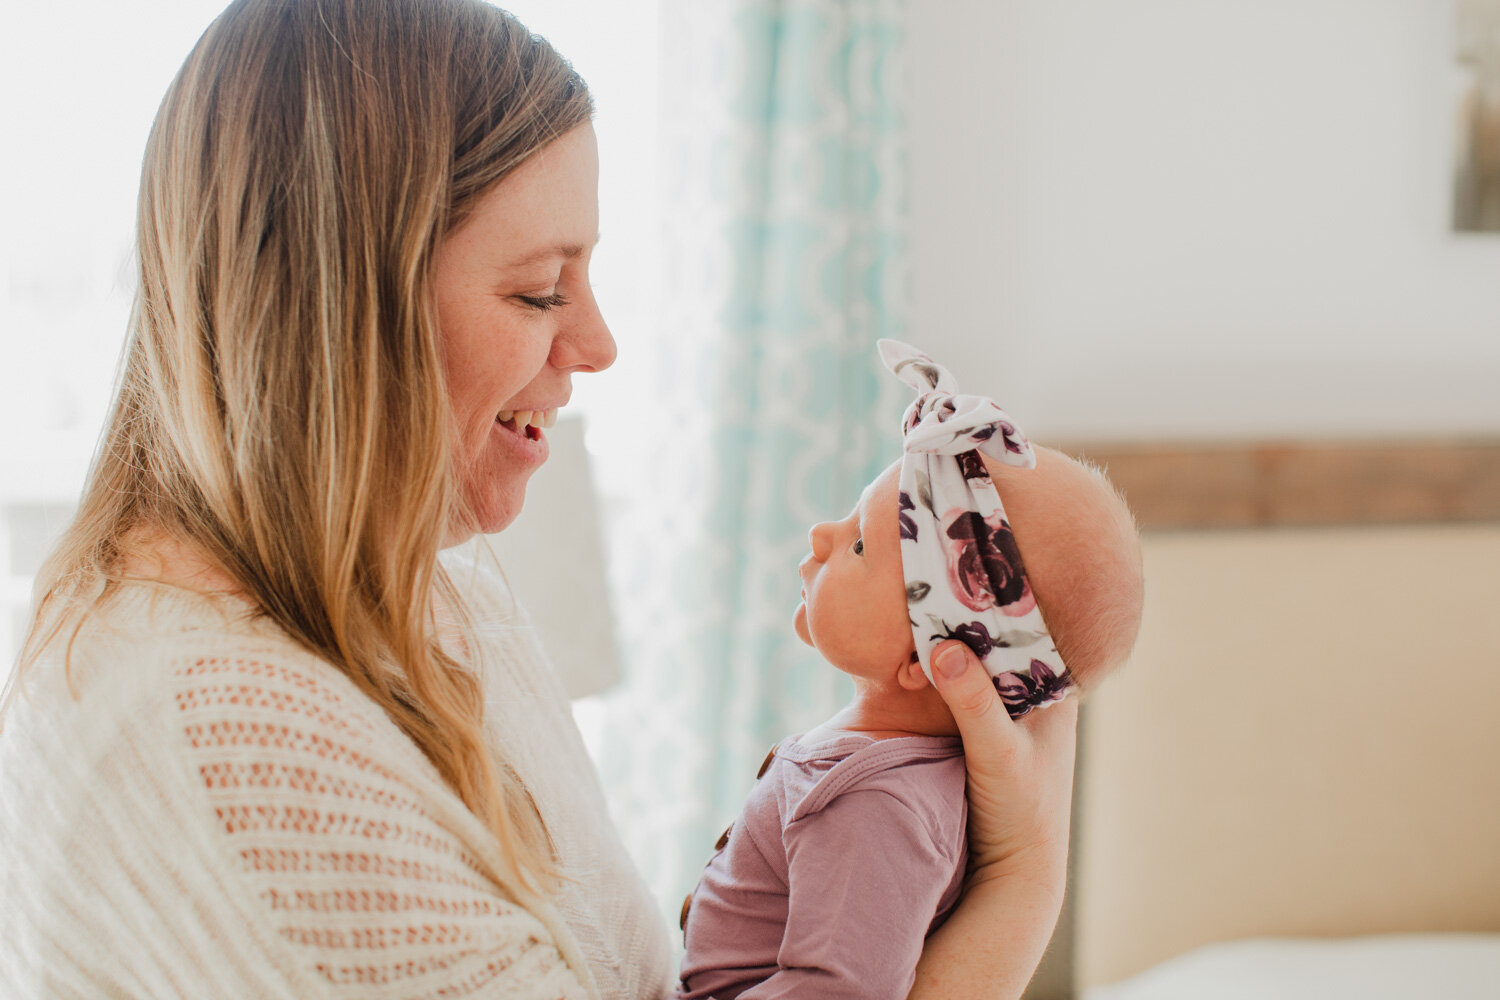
(1020,800)
(1020,772)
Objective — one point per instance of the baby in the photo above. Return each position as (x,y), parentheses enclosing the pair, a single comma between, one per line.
(851,848)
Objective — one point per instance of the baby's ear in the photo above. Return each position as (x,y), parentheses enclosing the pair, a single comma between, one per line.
(910,676)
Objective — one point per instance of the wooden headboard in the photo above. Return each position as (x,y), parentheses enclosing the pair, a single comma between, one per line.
(1307,739)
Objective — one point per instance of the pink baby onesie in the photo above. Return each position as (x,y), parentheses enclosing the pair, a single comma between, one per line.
(847,855)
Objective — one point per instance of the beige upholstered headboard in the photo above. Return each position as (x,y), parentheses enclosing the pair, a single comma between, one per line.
(1307,740)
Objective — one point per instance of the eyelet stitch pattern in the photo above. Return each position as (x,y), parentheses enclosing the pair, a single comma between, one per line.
(313,788)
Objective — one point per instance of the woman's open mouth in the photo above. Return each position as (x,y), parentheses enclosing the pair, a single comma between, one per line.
(527,423)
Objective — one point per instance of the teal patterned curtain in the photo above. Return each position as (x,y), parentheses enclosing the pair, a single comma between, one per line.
(785,262)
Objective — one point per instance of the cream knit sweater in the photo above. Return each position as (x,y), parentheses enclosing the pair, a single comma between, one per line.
(221,814)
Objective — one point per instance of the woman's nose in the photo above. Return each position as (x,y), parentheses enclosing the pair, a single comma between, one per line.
(586,344)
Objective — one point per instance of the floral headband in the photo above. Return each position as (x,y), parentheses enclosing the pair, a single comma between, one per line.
(964,578)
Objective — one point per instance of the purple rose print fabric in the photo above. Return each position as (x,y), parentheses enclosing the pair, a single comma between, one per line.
(964,578)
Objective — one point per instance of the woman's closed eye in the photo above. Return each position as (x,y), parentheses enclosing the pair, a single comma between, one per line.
(541,303)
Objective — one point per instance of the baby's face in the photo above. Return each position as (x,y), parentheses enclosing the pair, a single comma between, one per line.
(853,608)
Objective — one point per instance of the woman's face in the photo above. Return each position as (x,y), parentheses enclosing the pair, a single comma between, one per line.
(517,318)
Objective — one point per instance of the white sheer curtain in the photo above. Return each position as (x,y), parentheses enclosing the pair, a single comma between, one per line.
(785,211)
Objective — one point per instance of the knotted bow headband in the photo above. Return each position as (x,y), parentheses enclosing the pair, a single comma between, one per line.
(964,578)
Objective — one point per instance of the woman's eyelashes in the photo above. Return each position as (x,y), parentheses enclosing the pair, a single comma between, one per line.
(542,303)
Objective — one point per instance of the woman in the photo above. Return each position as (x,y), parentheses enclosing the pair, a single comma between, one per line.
(268,745)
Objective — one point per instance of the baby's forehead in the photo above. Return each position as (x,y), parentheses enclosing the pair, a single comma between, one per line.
(878,504)
(888,479)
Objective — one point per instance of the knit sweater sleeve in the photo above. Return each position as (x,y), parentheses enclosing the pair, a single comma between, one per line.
(359,859)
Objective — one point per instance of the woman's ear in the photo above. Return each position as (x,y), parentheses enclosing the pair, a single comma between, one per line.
(910,676)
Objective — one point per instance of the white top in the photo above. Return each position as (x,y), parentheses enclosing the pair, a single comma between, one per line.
(222,814)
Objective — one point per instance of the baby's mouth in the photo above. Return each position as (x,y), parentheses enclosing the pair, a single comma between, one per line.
(528,423)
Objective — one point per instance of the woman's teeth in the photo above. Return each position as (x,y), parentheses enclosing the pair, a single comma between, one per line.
(527,423)
(521,420)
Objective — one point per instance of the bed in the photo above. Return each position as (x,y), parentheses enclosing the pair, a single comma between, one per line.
(1375,967)
(1293,790)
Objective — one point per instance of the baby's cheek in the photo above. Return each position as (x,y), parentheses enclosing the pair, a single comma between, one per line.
(895,617)
(885,628)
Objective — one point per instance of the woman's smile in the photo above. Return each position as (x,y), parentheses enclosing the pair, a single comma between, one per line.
(525,443)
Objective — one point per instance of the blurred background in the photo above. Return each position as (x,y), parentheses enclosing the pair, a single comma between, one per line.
(1240,251)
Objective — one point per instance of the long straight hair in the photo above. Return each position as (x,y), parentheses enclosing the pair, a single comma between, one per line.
(281,406)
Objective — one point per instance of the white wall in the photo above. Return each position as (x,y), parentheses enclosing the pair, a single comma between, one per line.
(1180,218)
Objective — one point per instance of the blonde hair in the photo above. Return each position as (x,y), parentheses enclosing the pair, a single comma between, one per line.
(281,406)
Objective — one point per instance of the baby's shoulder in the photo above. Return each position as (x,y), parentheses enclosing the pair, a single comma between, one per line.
(927,771)
(924,774)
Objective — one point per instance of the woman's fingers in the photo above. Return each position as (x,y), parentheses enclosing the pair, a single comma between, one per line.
(971,696)
(1020,773)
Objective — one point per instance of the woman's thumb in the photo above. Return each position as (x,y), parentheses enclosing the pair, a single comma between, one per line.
(963,683)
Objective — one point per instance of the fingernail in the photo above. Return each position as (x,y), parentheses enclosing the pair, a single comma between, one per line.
(950,662)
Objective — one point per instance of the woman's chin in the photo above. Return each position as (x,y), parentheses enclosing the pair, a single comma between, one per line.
(454,536)
(486,515)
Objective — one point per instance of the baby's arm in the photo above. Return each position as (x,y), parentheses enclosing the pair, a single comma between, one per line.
(865,881)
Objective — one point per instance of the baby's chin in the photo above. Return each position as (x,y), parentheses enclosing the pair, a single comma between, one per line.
(799,624)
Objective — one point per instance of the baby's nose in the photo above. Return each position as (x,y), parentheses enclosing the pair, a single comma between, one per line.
(817,537)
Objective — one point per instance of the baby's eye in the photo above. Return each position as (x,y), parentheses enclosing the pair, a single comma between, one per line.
(859,546)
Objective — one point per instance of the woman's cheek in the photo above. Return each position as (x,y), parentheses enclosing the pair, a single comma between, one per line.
(475,417)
